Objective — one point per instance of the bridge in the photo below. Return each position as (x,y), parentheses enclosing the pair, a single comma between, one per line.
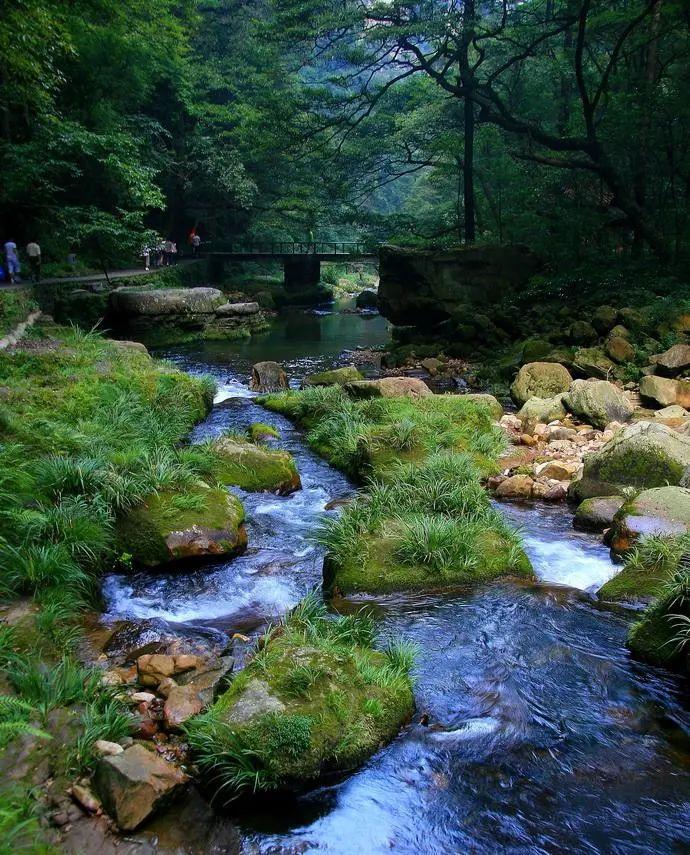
(301,260)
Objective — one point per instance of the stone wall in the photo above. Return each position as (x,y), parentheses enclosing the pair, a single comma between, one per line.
(422,288)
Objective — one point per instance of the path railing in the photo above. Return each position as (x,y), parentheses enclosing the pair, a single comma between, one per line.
(281,248)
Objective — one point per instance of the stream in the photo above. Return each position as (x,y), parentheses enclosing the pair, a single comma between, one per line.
(544,734)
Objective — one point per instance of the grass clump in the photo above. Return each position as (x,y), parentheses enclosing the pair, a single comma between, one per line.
(647,569)
(424,519)
(259,431)
(317,698)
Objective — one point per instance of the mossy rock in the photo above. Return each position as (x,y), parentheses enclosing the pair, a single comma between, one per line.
(660,511)
(199,523)
(259,432)
(634,584)
(593,362)
(535,350)
(311,703)
(335,377)
(540,380)
(372,566)
(492,403)
(654,637)
(598,402)
(543,410)
(255,468)
(643,455)
(597,513)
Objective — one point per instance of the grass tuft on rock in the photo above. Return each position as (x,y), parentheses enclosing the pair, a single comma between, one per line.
(317,698)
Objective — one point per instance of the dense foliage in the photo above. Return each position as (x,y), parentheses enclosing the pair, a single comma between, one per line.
(284,119)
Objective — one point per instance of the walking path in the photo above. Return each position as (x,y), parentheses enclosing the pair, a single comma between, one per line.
(116,274)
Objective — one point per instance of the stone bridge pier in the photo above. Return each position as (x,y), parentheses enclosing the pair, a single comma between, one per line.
(301,272)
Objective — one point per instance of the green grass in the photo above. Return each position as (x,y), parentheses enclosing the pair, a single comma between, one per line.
(15,307)
(424,519)
(647,569)
(342,698)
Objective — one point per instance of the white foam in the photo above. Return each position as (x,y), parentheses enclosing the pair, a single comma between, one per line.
(232,389)
(568,563)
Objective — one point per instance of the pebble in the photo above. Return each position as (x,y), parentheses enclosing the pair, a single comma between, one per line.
(105,749)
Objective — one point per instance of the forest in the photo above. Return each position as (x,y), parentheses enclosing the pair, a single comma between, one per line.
(344,426)
(427,124)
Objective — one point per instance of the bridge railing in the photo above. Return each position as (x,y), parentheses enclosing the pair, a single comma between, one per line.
(277,248)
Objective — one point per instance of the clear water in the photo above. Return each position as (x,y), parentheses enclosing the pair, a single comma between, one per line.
(544,736)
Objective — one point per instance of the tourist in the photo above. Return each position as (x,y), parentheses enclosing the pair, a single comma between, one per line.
(167,252)
(33,251)
(12,260)
(196,243)
(173,253)
(146,255)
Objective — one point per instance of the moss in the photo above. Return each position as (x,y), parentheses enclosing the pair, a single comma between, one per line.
(653,638)
(316,699)
(254,468)
(338,376)
(145,531)
(259,431)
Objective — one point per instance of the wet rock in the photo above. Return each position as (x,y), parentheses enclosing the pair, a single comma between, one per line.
(672,413)
(389,387)
(154,667)
(335,377)
(540,380)
(664,391)
(597,513)
(432,365)
(619,349)
(515,487)
(556,493)
(367,299)
(268,377)
(255,468)
(166,301)
(642,455)
(162,530)
(181,704)
(130,345)
(598,402)
(541,410)
(581,332)
(136,783)
(660,511)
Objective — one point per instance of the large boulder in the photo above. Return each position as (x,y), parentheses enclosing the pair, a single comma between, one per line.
(619,349)
(316,700)
(674,361)
(238,310)
(367,300)
(268,377)
(664,391)
(543,410)
(492,403)
(255,468)
(389,387)
(598,402)
(642,455)
(173,526)
(540,380)
(604,319)
(420,287)
(335,377)
(592,362)
(135,783)
(597,513)
(660,511)
(166,301)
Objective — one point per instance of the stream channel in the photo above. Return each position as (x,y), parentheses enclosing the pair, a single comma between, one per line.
(544,734)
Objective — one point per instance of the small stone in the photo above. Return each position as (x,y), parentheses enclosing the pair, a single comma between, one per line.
(528,439)
(103,748)
(111,678)
(166,685)
(153,667)
(186,662)
(85,798)
(143,697)
(557,493)
(559,470)
(182,703)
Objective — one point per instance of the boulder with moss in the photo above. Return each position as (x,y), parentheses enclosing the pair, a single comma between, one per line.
(597,513)
(642,455)
(492,404)
(199,522)
(664,391)
(260,432)
(540,380)
(593,362)
(656,637)
(598,402)
(254,467)
(335,377)
(389,387)
(317,699)
(648,569)
(543,410)
(659,511)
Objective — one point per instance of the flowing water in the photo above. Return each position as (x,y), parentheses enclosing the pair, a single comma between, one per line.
(543,734)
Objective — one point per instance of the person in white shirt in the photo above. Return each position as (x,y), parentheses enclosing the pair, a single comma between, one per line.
(33,250)
(196,243)
(12,259)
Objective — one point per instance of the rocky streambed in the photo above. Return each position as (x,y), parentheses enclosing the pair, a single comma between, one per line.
(534,729)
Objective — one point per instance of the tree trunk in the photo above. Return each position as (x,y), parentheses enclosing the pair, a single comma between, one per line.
(468,173)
